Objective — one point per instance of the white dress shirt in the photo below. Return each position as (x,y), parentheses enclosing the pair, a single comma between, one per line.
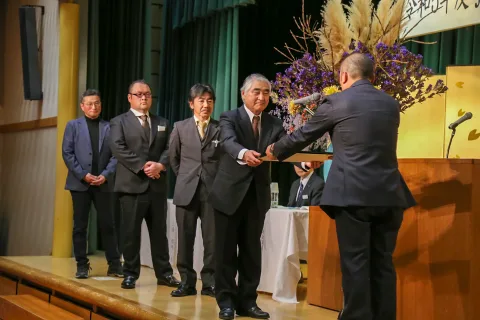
(304,182)
(250,115)
(138,114)
(197,122)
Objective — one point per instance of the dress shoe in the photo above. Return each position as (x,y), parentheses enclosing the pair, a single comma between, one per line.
(169,281)
(208,291)
(83,270)
(115,270)
(183,290)
(254,312)
(129,282)
(226,314)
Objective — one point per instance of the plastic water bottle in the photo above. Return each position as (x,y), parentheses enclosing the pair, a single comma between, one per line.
(274,194)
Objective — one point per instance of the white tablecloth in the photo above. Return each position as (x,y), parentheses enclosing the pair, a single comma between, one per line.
(284,243)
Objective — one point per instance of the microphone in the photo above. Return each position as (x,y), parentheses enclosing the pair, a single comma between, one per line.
(308,99)
(465,117)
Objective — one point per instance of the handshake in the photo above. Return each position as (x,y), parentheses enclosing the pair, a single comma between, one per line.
(252,159)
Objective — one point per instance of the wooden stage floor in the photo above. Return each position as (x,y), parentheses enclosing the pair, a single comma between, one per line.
(157,298)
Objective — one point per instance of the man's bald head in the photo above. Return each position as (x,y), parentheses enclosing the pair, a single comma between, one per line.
(355,67)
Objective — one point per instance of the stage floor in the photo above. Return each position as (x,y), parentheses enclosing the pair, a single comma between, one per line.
(147,293)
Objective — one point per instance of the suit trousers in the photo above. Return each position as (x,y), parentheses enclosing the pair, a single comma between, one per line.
(366,238)
(187,217)
(151,206)
(243,229)
(82,201)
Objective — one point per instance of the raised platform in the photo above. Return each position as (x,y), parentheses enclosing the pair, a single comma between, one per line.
(101,297)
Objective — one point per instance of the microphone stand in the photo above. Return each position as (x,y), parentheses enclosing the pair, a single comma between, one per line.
(450,143)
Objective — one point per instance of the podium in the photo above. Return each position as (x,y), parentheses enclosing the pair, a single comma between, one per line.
(438,249)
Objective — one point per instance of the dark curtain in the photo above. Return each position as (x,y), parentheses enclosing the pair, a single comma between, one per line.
(118,38)
(454,47)
(204,50)
(185,11)
(116,50)
(264,26)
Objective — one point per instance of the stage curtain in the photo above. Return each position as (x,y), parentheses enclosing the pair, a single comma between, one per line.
(205,50)
(186,11)
(454,47)
(119,44)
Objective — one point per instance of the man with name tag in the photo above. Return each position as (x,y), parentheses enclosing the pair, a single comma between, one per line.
(194,153)
(306,191)
(139,141)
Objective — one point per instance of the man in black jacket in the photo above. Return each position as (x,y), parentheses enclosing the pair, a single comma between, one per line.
(139,141)
(365,192)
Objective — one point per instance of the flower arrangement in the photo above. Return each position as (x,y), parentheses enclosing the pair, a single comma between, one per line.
(374,32)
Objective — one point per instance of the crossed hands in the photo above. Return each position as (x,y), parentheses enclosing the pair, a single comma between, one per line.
(153,169)
(94,180)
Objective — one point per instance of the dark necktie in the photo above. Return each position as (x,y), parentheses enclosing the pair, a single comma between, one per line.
(299,196)
(145,126)
(255,121)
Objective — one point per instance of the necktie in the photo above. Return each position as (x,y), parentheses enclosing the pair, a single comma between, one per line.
(201,128)
(255,121)
(145,126)
(299,196)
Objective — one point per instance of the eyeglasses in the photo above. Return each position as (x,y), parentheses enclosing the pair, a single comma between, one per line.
(140,95)
(91,104)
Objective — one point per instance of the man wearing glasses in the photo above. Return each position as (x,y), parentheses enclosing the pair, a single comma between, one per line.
(91,168)
(139,141)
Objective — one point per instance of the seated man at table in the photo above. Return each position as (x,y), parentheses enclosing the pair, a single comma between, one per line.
(307,190)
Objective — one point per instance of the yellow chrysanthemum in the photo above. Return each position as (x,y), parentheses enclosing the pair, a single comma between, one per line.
(330,90)
(378,87)
(293,108)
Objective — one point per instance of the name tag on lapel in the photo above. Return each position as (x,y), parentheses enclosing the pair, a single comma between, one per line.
(161,128)
(305,196)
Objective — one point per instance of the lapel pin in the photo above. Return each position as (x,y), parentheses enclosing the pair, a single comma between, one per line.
(216,142)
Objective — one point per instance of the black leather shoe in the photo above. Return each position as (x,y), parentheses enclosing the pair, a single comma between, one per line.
(83,270)
(183,290)
(129,282)
(208,291)
(226,314)
(254,312)
(115,270)
(169,281)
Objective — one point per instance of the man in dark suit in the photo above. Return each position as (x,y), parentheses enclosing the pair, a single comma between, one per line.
(91,170)
(194,153)
(240,196)
(365,192)
(139,141)
(306,191)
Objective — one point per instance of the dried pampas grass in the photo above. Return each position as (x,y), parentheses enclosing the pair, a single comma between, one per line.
(359,18)
(334,36)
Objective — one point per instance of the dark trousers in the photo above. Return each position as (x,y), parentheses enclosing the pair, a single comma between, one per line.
(187,218)
(366,238)
(82,201)
(243,228)
(151,206)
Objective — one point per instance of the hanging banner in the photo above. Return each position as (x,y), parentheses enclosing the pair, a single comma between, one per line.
(431,16)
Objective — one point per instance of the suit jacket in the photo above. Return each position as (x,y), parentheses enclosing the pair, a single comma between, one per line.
(192,159)
(363,123)
(132,153)
(313,190)
(77,155)
(233,179)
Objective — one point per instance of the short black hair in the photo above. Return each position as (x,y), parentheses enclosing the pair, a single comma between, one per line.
(135,82)
(358,65)
(89,93)
(200,89)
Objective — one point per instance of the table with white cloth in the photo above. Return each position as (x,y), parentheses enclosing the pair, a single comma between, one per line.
(284,242)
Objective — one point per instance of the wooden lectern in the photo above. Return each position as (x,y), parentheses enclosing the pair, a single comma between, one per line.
(438,249)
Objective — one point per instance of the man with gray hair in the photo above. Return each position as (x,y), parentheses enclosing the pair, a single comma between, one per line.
(365,192)
(240,197)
